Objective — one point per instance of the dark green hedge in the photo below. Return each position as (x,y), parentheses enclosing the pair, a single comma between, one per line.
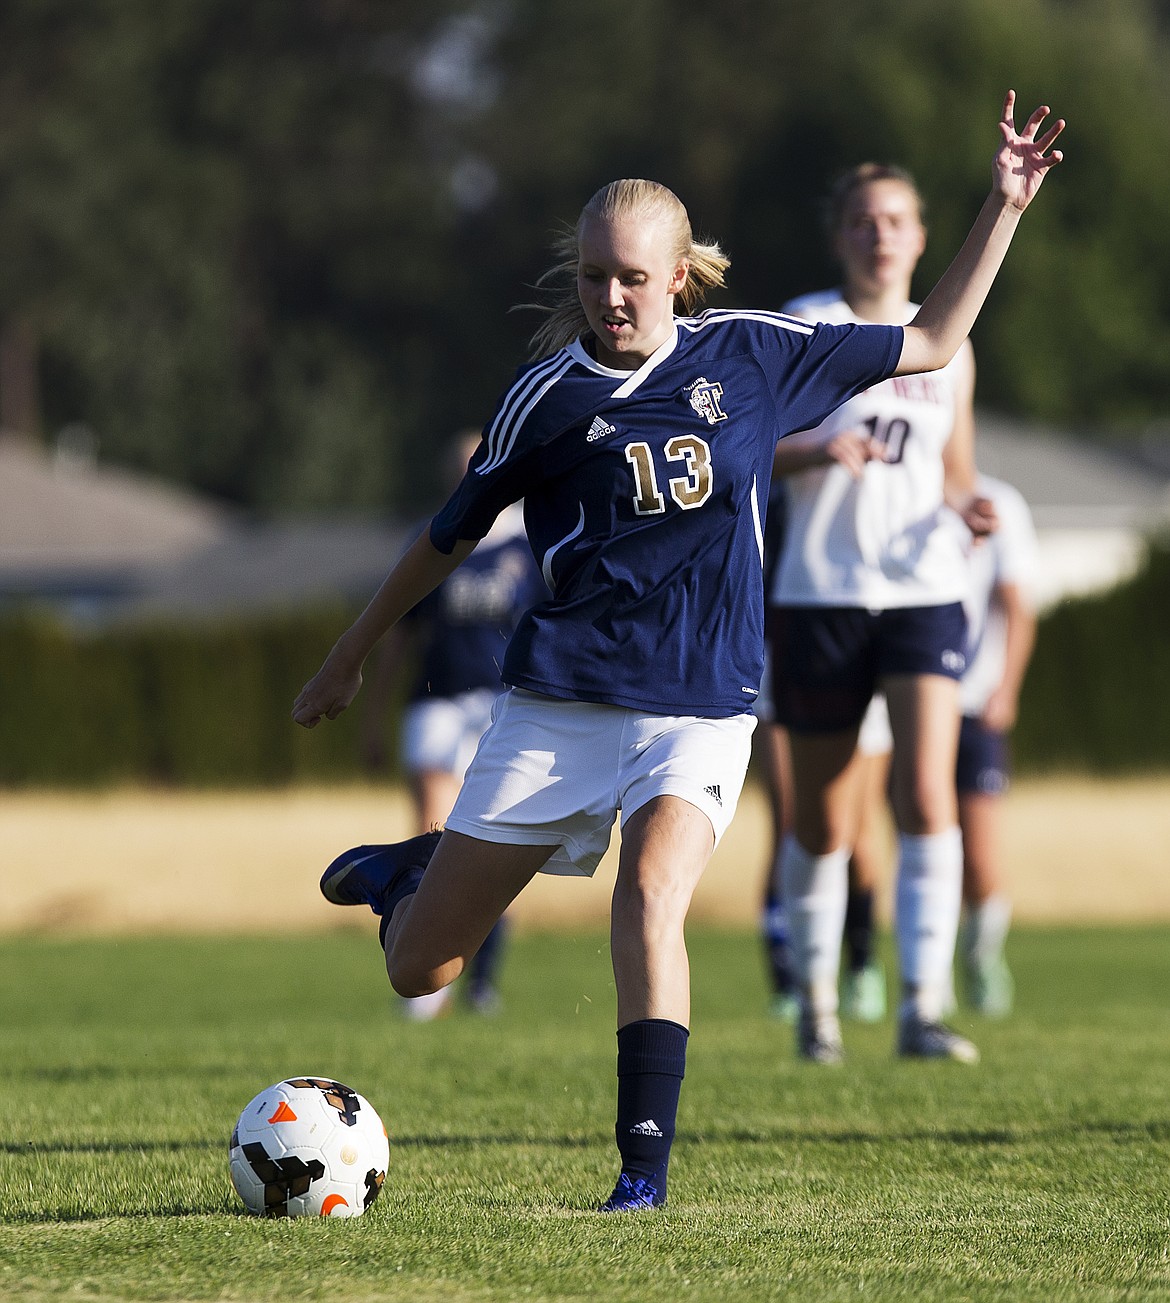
(209,705)
(192,705)
(1097,695)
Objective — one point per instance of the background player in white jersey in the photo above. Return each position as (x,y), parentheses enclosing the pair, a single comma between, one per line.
(642,445)
(867,597)
(1001,619)
(454,640)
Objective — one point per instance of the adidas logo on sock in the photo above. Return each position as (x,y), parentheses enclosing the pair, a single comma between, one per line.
(600,429)
(713,790)
(647,1128)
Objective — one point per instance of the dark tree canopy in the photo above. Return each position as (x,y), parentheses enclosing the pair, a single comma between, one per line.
(269,249)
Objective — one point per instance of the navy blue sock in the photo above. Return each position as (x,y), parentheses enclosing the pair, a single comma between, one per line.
(859,929)
(776,947)
(652,1055)
(486,960)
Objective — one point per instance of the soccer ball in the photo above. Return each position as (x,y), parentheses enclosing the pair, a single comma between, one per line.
(308,1147)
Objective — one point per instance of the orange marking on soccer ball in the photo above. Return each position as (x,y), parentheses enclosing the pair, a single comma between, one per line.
(330,1203)
(283,1113)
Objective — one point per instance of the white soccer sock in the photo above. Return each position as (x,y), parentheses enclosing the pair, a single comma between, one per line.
(815,890)
(928,898)
(985,929)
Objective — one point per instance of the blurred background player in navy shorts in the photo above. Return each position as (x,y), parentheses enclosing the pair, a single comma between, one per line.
(456,637)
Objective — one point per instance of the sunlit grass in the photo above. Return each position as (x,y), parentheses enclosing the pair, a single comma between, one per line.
(1041,1174)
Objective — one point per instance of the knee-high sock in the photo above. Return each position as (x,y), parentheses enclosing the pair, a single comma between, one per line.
(986,929)
(815,891)
(927,902)
(485,962)
(774,929)
(652,1055)
(859,929)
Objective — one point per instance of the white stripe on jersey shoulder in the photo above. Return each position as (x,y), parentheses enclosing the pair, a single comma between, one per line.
(630,379)
(713,316)
(546,562)
(518,402)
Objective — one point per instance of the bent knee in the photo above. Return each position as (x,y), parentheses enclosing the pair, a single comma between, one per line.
(412,977)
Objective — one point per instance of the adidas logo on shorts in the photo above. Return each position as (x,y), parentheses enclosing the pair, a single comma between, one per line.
(713,791)
(600,429)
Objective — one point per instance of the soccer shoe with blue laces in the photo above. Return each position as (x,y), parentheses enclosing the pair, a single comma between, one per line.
(632,1196)
(378,876)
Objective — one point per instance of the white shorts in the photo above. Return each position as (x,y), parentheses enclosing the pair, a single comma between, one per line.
(557,772)
(442,732)
(874,737)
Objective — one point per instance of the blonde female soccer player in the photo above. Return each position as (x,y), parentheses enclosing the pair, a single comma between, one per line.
(641,442)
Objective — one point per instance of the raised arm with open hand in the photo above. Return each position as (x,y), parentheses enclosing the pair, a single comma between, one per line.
(1021,163)
(1023,160)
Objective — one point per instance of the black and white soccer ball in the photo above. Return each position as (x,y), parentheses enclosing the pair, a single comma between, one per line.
(308,1147)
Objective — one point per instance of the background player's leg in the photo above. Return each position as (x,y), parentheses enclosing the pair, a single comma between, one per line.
(988,980)
(776,759)
(826,773)
(924,717)
(864,991)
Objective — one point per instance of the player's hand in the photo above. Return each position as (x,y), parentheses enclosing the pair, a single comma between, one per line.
(328,692)
(980,518)
(1023,159)
(999,714)
(854,450)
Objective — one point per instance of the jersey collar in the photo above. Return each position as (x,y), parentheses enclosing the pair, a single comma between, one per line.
(630,379)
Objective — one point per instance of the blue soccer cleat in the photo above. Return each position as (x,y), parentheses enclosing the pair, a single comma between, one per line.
(378,876)
(632,1196)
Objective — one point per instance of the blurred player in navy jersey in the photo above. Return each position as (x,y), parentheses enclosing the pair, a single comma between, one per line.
(641,443)
(456,637)
(868,598)
(1001,620)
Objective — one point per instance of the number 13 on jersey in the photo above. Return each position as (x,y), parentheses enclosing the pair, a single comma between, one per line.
(689,490)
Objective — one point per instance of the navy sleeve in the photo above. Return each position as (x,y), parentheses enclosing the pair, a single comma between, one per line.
(472,509)
(828,366)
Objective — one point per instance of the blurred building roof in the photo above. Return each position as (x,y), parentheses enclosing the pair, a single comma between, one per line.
(63,511)
(99,543)
(1071,483)
(279,566)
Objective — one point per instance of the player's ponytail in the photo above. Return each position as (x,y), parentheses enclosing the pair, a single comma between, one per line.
(645,201)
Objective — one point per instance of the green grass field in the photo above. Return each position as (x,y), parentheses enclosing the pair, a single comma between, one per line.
(1042,1174)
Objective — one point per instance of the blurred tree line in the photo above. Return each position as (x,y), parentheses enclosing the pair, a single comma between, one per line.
(268,249)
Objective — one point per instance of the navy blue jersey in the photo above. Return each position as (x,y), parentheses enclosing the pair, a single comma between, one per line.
(466,622)
(645,499)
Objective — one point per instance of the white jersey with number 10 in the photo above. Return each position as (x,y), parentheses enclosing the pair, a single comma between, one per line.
(875,542)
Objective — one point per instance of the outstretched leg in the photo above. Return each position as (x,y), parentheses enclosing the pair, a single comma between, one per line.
(433,932)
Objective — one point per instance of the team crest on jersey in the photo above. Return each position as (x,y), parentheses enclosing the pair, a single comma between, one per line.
(705,396)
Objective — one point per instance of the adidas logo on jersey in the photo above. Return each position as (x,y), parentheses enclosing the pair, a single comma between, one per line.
(600,429)
(714,791)
(647,1128)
